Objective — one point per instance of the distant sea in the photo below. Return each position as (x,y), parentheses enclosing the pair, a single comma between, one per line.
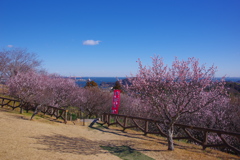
(81,81)
(232,79)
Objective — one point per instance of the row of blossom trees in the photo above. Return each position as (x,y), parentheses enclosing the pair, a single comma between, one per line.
(185,92)
(42,89)
(38,89)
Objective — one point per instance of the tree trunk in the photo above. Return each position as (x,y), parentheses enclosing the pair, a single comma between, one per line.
(170,138)
(21,107)
(35,112)
(21,110)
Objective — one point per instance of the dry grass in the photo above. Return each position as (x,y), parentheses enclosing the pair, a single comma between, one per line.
(45,138)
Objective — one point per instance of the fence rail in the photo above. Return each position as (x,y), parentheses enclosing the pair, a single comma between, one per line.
(10,103)
(52,111)
(127,122)
(56,112)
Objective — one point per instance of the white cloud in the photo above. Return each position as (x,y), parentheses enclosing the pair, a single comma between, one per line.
(91,42)
(9,46)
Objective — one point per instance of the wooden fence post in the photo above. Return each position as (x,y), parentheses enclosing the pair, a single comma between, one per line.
(146,128)
(83,118)
(205,140)
(78,114)
(124,123)
(104,118)
(66,111)
(116,121)
(108,120)
(2,102)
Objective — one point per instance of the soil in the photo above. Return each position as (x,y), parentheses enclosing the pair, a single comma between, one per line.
(46,138)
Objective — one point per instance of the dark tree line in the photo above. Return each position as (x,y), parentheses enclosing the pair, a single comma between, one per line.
(233,87)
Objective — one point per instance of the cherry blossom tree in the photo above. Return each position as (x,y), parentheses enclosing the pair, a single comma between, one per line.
(26,85)
(60,90)
(95,101)
(173,92)
(131,105)
(29,87)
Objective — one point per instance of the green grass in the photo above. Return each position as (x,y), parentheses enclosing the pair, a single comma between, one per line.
(126,153)
(29,114)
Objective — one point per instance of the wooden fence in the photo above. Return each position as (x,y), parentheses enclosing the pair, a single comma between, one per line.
(56,112)
(10,102)
(143,124)
(52,111)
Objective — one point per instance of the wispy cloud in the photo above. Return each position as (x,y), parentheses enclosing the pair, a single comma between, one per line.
(9,46)
(91,42)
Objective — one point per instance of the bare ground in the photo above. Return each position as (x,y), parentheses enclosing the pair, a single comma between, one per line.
(45,138)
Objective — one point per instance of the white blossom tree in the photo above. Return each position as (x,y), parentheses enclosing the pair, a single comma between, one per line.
(16,60)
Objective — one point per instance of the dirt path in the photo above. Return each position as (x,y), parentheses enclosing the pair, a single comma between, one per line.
(43,139)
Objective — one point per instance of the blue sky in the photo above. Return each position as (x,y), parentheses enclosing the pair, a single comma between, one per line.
(106,37)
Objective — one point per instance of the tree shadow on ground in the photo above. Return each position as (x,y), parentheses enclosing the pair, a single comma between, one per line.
(126,152)
(125,149)
(76,145)
(64,144)
(194,149)
(136,136)
(80,145)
